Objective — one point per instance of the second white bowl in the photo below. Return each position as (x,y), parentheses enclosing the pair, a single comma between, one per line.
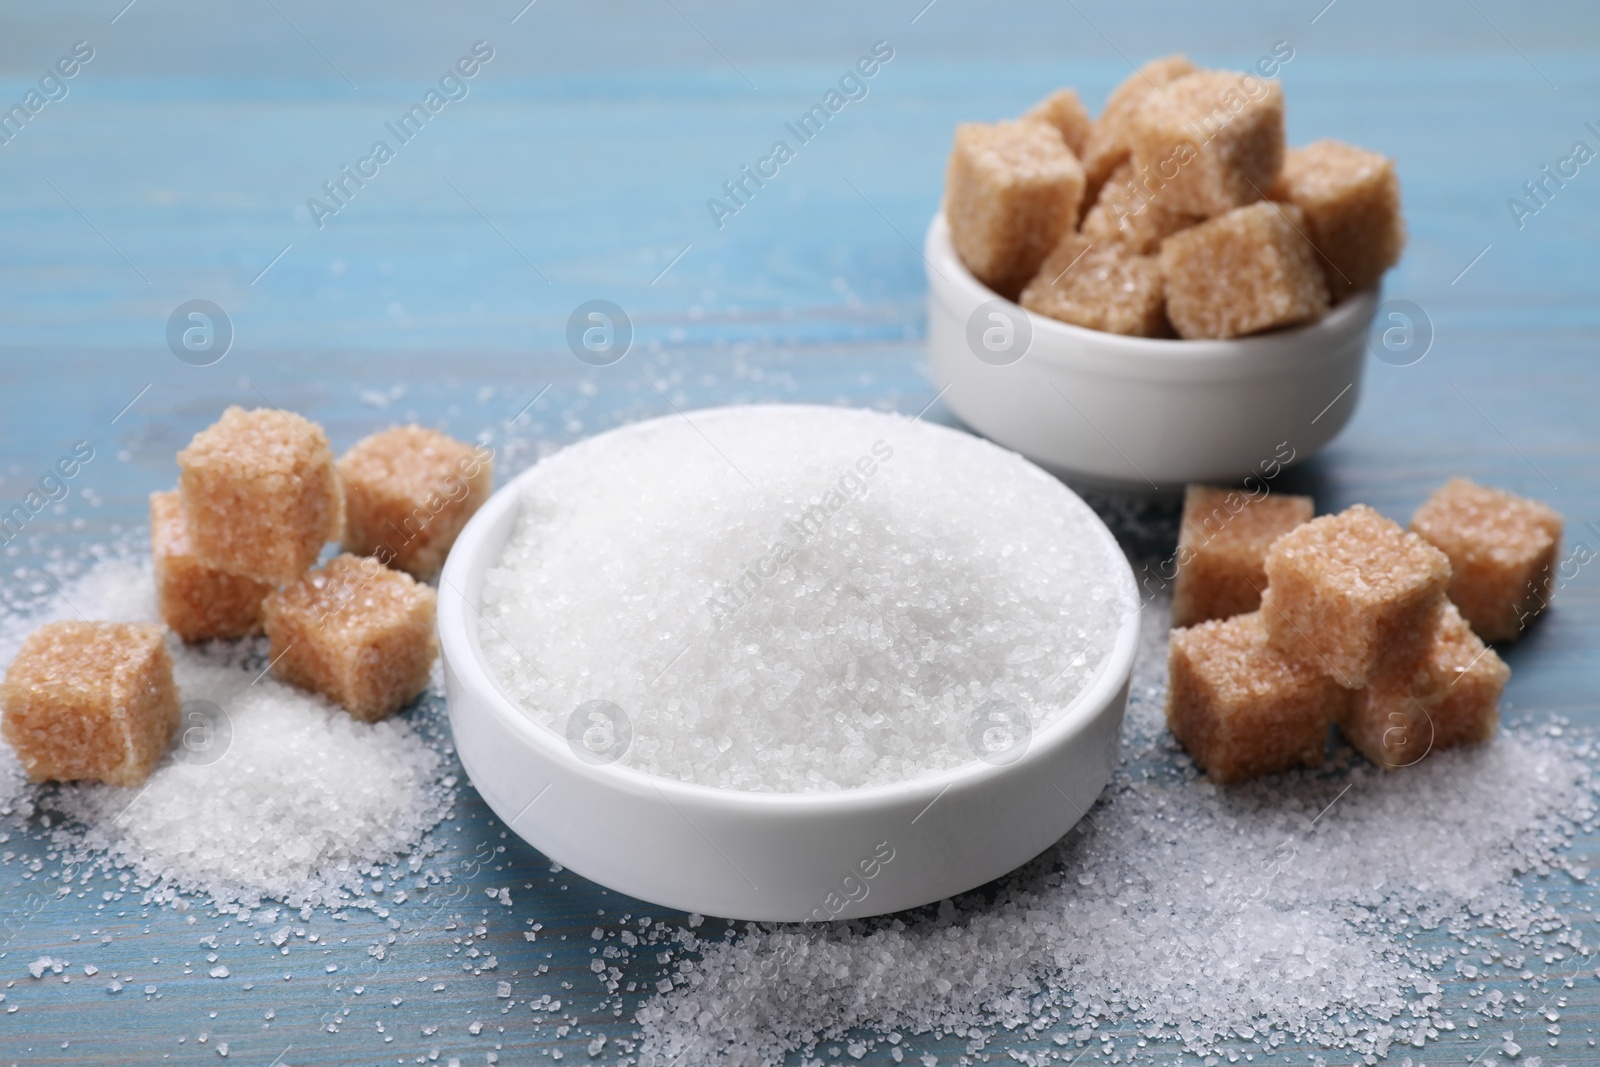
(1137,412)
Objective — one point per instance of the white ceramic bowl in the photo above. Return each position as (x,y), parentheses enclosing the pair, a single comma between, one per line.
(1138,412)
(766,856)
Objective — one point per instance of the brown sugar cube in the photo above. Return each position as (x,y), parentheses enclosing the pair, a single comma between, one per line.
(1100,286)
(197,602)
(1222,550)
(1128,211)
(1063,110)
(1011,191)
(1449,695)
(408,491)
(1106,147)
(356,632)
(1241,708)
(260,494)
(91,700)
(1214,137)
(1351,593)
(1502,550)
(1351,200)
(1240,273)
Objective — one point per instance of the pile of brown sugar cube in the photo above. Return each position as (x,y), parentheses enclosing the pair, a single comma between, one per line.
(1288,624)
(235,548)
(1178,212)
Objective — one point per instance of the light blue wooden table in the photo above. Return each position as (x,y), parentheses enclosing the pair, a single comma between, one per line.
(575,164)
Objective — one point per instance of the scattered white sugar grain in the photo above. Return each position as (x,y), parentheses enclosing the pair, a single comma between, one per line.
(302,800)
(119,588)
(1189,912)
(792,599)
(15,799)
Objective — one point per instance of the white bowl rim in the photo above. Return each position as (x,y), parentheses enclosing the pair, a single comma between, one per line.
(459,647)
(1258,351)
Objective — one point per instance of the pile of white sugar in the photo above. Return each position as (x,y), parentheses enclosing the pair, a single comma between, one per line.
(269,791)
(303,796)
(789,599)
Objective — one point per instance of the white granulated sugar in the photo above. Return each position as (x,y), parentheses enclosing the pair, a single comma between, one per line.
(14,798)
(1218,920)
(798,598)
(302,796)
(119,588)
(275,793)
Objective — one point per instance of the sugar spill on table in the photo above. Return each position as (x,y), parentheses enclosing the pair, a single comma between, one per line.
(256,798)
(320,798)
(796,599)
(1274,917)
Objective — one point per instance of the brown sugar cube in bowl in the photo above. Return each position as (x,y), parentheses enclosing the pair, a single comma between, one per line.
(1448,695)
(1241,708)
(1063,110)
(1128,211)
(357,632)
(91,700)
(197,601)
(1351,201)
(1249,270)
(260,494)
(1100,286)
(1502,550)
(408,491)
(1106,147)
(1222,550)
(1214,137)
(1352,593)
(1012,190)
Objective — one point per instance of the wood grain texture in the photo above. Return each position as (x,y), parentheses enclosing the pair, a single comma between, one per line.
(578,166)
